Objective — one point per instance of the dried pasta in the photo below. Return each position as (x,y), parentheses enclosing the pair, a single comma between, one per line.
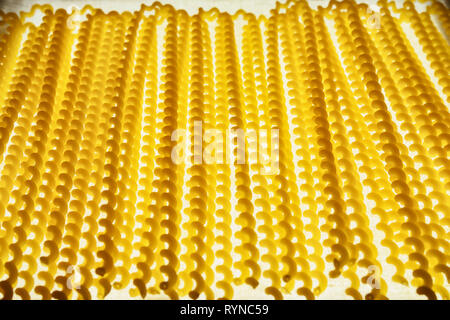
(158,154)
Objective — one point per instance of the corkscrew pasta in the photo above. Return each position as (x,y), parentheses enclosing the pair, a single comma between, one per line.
(159,154)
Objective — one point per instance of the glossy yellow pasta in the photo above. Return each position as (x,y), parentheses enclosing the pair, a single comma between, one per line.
(160,154)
